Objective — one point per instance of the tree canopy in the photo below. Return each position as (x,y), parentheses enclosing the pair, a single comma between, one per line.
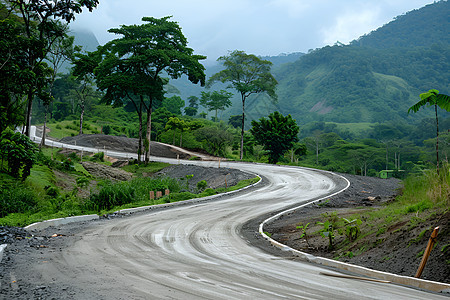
(276,134)
(216,100)
(130,68)
(247,74)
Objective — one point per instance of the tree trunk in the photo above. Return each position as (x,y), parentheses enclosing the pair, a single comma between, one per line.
(241,156)
(140,132)
(437,140)
(149,131)
(43,130)
(81,118)
(28,114)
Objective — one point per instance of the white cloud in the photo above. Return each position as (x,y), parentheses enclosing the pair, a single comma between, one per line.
(351,25)
(262,27)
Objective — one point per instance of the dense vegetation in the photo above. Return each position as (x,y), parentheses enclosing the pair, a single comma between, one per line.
(350,102)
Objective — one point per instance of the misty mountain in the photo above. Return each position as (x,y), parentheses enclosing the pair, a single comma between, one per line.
(374,79)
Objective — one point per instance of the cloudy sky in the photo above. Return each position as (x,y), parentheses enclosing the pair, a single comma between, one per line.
(261,27)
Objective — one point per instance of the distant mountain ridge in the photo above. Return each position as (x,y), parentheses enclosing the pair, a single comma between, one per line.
(374,79)
(419,27)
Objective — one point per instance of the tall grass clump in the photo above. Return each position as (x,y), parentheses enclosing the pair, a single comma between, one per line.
(137,190)
(15,197)
(428,189)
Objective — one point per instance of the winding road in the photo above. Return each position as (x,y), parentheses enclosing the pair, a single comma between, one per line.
(197,251)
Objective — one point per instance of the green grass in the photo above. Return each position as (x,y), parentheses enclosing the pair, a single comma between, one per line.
(70,128)
(40,177)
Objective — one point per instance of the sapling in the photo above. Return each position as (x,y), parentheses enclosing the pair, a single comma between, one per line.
(327,232)
(303,229)
(352,228)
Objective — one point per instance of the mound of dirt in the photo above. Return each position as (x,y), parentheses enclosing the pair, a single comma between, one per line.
(106,172)
(214,177)
(122,144)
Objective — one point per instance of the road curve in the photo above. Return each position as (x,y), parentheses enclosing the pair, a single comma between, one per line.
(197,251)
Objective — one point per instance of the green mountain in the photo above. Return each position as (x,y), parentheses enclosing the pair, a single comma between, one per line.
(374,79)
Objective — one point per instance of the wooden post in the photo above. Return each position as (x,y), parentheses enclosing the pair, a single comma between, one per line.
(178,159)
(426,254)
(219,162)
(158,194)
(152,195)
(166,192)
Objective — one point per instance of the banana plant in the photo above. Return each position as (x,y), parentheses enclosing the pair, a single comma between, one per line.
(432,97)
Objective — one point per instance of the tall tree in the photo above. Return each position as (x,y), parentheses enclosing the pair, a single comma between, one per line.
(84,91)
(276,134)
(132,65)
(192,108)
(61,51)
(41,28)
(216,100)
(174,104)
(248,75)
(432,97)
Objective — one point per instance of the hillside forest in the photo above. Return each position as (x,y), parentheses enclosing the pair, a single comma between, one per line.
(343,108)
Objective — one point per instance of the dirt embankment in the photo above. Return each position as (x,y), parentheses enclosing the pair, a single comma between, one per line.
(397,249)
(122,144)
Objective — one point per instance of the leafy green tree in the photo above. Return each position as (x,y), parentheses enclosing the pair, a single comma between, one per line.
(215,139)
(193,101)
(235,121)
(277,134)
(41,27)
(432,97)
(190,111)
(174,104)
(19,151)
(248,75)
(174,124)
(192,108)
(61,51)
(131,66)
(216,100)
(297,150)
(85,93)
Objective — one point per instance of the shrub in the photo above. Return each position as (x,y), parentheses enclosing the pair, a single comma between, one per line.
(106,129)
(201,185)
(16,198)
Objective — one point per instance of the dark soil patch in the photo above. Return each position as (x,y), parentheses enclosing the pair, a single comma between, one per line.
(214,177)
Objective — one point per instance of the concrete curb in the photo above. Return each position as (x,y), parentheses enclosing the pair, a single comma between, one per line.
(60,221)
(404,280)
(2,247)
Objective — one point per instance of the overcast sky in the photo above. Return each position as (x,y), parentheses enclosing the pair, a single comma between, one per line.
(261,27)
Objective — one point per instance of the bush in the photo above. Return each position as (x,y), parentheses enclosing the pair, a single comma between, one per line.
(201,185)
(100,156)
(16,198)
(106,129)
(137,190)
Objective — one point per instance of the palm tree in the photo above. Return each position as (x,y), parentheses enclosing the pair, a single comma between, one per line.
(432,97)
